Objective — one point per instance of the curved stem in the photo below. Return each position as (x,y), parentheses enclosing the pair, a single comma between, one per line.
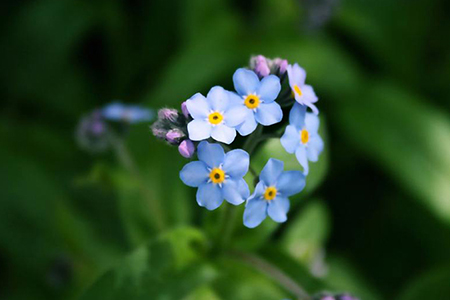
(128,163)
(272,271)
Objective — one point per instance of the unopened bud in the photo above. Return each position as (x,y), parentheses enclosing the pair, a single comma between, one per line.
(184,109)
(169,114)
(174,136)
(186,148)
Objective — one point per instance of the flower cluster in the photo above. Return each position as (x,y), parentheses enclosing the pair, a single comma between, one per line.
(262,96)
(94,132)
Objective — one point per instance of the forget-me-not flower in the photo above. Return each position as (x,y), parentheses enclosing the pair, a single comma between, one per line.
(214,116)
(271,194)
(258,99)
(301,136)
(127,113)
(217,175)
(303,93)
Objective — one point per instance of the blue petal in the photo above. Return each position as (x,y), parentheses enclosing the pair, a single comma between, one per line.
(300,153)
(255,212)
(209,195)
(297,115)
(296,75)
(259,191)
(198,107)
(290,183)
(278,209)
(194,174)
(243,188)
(315,147)
(199,130)
(245,81)
(113,111)
(235,115)
(211,154)
(271,171)
(231,192)
(269,113)
(290,139)
(308,98)
(236,163)
(249,124)
(218,99)
(137,114)
(312,123)
(235,99)
(223,133)
(269,88)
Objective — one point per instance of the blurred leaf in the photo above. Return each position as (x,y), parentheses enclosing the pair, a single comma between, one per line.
(203,293)
(408,138)
(168,268)
(343,276)
(305,236)
(433,284)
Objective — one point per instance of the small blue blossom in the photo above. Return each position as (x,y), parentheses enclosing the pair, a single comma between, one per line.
(303,93)
(217,175)
(214,116)
(258,99)
(271,194)
(127,113)
(301,136)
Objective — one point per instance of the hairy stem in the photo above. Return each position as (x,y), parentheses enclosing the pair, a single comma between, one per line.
(128,163)
(272,271)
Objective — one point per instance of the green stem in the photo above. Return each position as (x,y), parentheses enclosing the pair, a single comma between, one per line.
(128,163)
(274,272)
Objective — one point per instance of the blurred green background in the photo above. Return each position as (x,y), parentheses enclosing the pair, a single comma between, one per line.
(374,218)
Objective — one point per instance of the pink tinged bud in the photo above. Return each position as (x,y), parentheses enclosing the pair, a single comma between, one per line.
(158,132)
(186,148)
(168,114)
(261,66)
(173,136)
(327,298)
(184,109)
(281,64)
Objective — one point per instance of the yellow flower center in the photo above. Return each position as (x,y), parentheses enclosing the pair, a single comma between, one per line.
(270,193)
(252,101)
(304,136)
(217,175)
(215,118)
(297,90)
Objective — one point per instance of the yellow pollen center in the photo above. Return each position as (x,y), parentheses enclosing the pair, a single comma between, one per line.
(297,90)
(270,193)
(215,118)
(304,136)
(217,175)
(252,101)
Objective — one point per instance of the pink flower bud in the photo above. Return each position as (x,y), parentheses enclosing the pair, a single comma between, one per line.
(186,148)
(184,109)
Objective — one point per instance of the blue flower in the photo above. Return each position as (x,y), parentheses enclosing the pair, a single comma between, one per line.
(214,116)
(303,93)
(127,113)
(217,175)
(258,99)
(271,194)
(301,136)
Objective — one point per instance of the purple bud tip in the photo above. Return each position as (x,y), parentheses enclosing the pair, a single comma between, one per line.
(261,66)
(327,298)
(184,109)
(282,65)
(168,114)
(186,148)
(173,136)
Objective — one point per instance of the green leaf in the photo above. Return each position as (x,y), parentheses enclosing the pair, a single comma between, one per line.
(168,268)
(408,137)
(432,284)
(306,234)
